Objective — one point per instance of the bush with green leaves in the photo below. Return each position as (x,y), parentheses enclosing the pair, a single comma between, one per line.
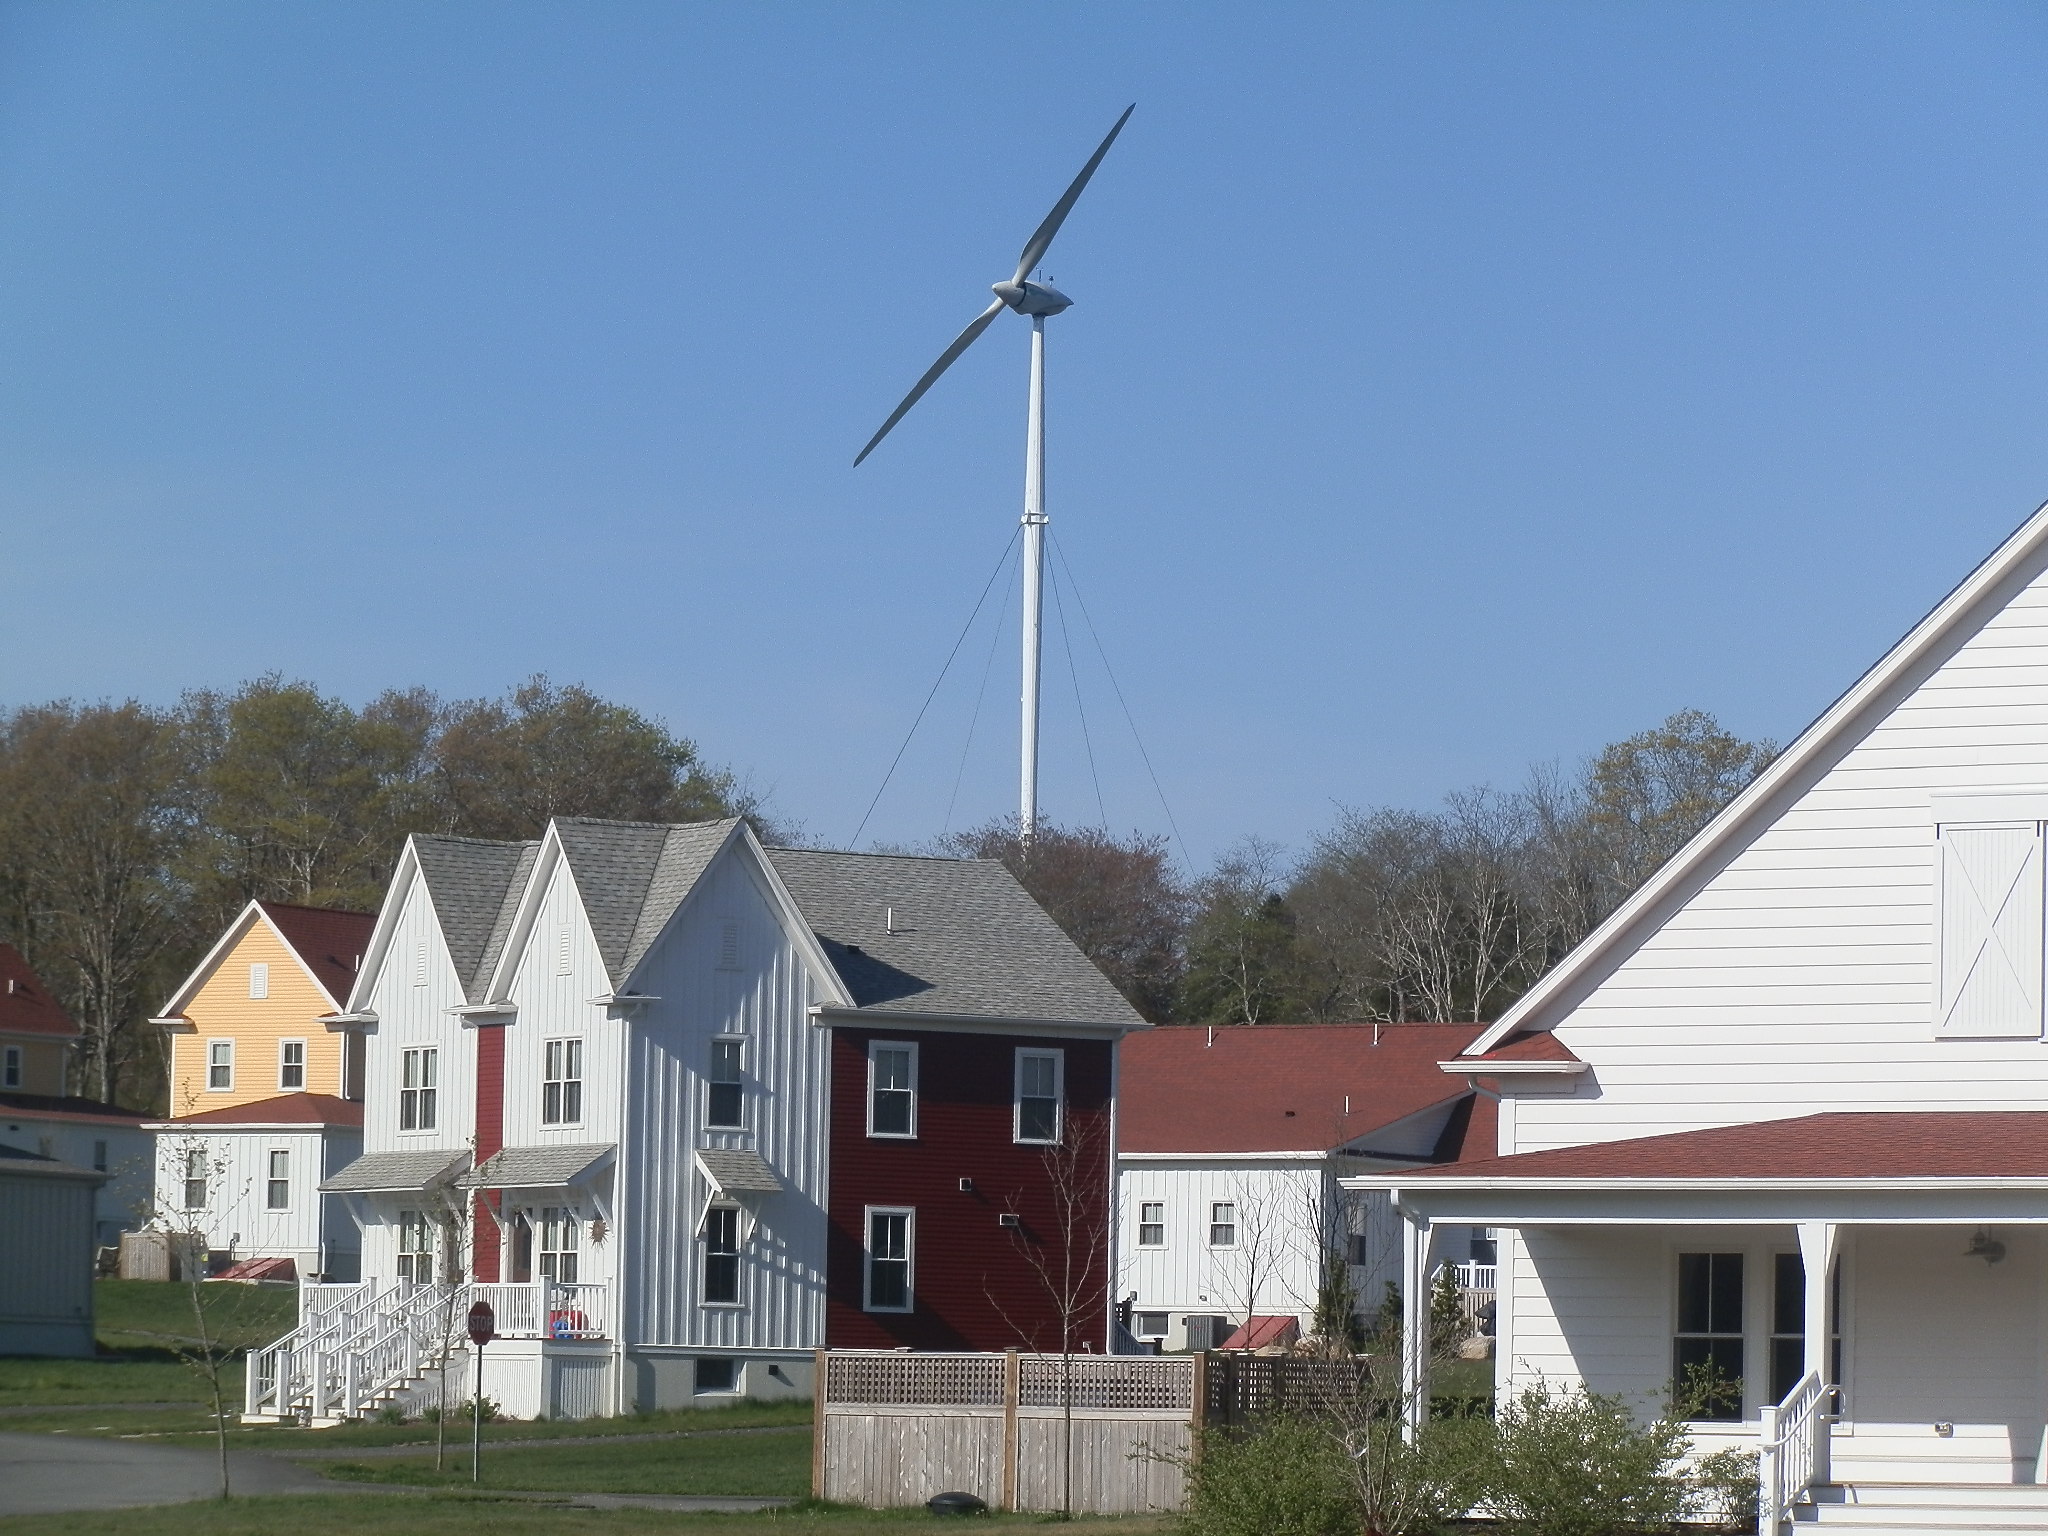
(1724,1490)
(1284,1478)
(1569,1462)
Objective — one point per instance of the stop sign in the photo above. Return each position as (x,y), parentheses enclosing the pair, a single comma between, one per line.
(483,1323)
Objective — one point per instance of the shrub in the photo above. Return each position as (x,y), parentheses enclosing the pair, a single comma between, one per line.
(1569,1462)
(1286,1478)
(1724,1490)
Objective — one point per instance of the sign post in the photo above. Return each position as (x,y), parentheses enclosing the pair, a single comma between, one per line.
(483,1326)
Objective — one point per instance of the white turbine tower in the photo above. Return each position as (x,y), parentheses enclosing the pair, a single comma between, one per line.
(1038,301)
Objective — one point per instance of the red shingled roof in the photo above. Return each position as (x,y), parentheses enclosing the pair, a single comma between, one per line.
(1899,1144)
(330,941)
(1281,1087)
(49,1106)
(286,1109)
(26,1007)
(1529,1045)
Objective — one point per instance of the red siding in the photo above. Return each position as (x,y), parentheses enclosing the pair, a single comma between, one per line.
(975,1287)
(490,1140)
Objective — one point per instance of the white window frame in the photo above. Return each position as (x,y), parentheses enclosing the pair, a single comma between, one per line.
(429,1231)
(909,1046)
(557,1056)
(737,1254)
(559,1237)
(11,1067)
(738,1081)
(284,1064)
(1215,1222)
(1160,1224)
(211,1047)
(429,1092)
(909,1260)
(272,1179)
(259,980)
(198,1171)
(1058,1058)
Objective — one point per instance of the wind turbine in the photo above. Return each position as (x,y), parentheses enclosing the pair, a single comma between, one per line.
(1038,301)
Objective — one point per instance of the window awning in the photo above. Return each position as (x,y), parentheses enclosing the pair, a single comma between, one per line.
(738,1176)
(540,1167)
(395,1173)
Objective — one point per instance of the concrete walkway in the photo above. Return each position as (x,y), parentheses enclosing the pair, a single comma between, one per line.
(55,1474)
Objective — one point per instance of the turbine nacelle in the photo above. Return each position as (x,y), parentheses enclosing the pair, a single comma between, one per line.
(1033,299)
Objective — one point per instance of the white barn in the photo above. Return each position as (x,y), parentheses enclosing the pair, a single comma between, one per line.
(1783,1113)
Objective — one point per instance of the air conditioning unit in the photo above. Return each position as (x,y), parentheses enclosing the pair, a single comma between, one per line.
(1207,1332)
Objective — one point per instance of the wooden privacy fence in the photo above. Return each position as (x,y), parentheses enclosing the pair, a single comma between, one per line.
(897,1428)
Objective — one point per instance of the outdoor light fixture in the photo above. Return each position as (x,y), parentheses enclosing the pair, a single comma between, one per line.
(1984,1246)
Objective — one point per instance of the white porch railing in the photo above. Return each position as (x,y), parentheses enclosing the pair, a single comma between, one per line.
(1475,1295)
(577,1311)
(1792,1443)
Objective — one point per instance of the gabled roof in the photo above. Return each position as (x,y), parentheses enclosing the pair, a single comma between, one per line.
(967,940)
(1896,1144)
(328,941)
(1954,619)
(308,1109)
(474,884)
(633,875)
(26,1006)
(1283,1087)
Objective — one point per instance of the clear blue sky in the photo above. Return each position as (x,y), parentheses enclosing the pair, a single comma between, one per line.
(1451,386)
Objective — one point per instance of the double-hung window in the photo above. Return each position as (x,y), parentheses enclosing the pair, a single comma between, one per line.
(892,1088)
(418,1090)
(291,1065)
(195,1181)
(277,1189)
(1037,1117)
(722,1254)
(1223,1224)
(415,1247)
(1706,1354)
(1152,1224)
(10,1067)
(889,1259)
(558,1244)
(220,1064)
(724,1091)
(561,1092)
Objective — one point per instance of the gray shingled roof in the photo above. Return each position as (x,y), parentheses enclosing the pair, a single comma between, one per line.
(474,885)
(537,1167)
(632,875)
(395,1172)
(969,939)
(738,1170)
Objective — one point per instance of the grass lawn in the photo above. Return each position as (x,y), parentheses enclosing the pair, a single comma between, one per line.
(772,1465)
(192,1424)
(139,1322)
(455,1515)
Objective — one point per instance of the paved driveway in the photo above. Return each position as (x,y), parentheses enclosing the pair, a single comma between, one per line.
(51,1474)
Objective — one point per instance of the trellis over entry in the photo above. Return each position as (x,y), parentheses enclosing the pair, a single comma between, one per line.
(895,1428)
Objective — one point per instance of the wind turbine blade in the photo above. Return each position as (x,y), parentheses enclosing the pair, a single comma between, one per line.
(1035,247)
(931,375)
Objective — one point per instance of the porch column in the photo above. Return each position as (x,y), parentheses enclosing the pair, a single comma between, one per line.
(1818,1243)
(1418,1249)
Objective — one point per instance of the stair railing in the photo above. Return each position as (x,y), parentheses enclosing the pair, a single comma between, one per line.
(1791,1442)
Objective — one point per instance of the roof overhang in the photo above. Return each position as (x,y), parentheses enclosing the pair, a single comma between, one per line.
(559,1167)
(334,1023)
(1306,1155)
(396,1173)
(1480,1200)
(485,1015)
(971,1023)
(176,1023)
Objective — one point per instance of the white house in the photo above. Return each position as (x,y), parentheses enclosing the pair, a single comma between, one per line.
(599,1096)
(1783,1115)
(1231,1142)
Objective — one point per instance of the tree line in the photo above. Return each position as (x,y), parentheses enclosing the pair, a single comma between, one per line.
(131,834)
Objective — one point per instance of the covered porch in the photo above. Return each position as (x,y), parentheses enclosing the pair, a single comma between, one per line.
(1870,1290)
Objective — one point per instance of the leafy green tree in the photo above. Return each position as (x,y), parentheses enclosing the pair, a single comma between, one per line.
(1243,965)
(1647,796)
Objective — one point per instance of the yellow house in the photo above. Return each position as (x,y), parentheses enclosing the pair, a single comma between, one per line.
(266,1101)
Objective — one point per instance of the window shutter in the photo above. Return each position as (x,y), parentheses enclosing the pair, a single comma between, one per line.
(1989,936)
(259,978)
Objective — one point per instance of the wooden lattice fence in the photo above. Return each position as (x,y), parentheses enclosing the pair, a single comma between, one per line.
(897,1428)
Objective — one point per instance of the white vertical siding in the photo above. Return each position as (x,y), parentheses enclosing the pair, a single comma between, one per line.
(555,1005)
(1279,1207)
(1801,975)
(764,997)
(238,1220)
(45,1285)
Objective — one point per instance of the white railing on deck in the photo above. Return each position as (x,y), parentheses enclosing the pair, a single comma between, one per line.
(1475,1295)
(1792,1442)
(577,1311)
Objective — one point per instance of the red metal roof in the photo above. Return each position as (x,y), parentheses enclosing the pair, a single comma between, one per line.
(286,1109)
(260,1269)
(1282,1087)
(330,941)
(1259,1332)
(1899,1144)
(26,1007)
